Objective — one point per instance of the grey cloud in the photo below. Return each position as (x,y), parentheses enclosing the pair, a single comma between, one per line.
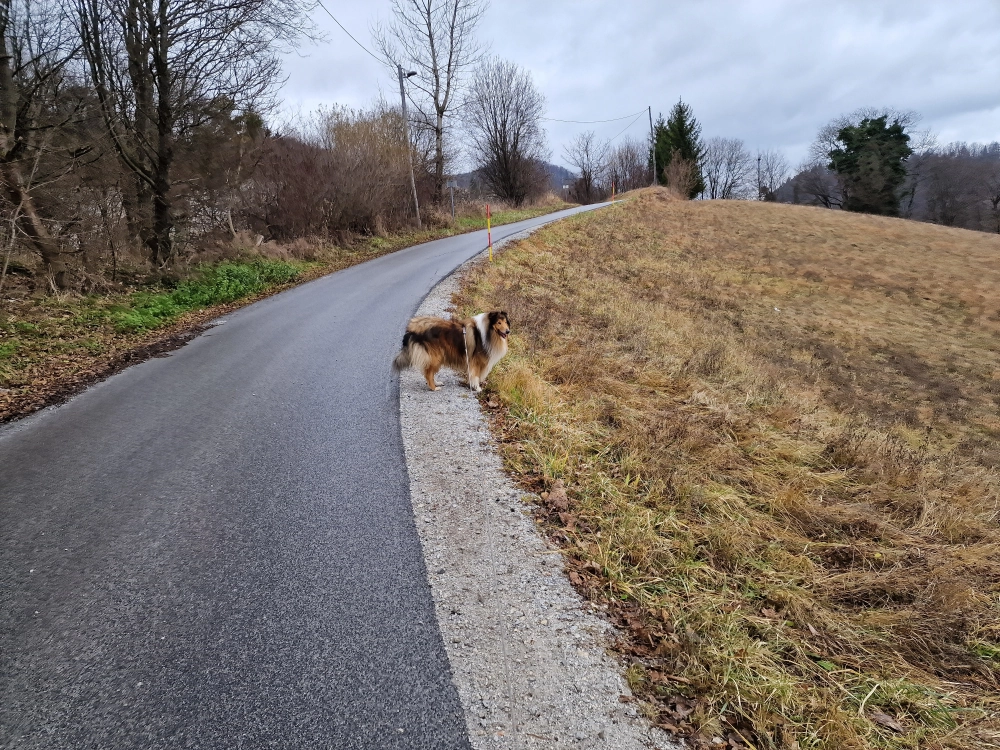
(770,73)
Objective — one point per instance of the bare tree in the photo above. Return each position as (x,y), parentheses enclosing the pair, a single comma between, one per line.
(159,67)
(628,165)
(827,138)
(772,172)
(990,181)
(952,190)
(923,143)
(590,157)
(35,47)
(727,166)
(437,39)
(817,164)
(816,185)
(503,113)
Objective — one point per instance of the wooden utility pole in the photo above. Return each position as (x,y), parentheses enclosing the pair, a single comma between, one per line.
(652,141)
(406,134)
(760,191)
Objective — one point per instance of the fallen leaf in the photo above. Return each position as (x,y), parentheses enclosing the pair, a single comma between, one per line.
(684,708)
(887,721)
(558,500)
(812,630)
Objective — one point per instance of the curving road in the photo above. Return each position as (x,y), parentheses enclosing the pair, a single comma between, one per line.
(216,549)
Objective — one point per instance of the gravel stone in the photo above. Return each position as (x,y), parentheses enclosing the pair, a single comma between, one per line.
(529,656)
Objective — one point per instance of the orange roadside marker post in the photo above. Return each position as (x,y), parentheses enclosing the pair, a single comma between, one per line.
(489,235)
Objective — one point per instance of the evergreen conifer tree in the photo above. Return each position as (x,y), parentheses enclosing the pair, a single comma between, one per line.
(870,160)
(679,137)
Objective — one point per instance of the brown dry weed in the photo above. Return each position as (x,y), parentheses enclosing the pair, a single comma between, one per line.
(777,427)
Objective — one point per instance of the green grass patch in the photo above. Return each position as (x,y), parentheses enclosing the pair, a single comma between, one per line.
(213,285)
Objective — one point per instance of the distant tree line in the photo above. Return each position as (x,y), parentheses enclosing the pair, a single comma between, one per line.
(877,161)
(719,168)
(874,160)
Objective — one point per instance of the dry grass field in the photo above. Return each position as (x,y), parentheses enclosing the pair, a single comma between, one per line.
(768,439)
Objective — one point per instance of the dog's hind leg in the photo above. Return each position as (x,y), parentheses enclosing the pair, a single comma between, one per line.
(429,373)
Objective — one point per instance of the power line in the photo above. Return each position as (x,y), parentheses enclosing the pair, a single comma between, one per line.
(594,122)
(349,33)
(627,126)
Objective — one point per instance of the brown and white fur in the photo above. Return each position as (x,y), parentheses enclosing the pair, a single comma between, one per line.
(432,343)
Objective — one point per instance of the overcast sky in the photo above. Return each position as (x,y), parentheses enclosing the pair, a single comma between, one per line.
(771,72)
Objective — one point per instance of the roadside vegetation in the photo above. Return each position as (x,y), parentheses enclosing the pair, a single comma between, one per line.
(51,344)
(766,438)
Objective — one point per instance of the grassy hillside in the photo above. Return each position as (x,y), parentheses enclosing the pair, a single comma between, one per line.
(767,437)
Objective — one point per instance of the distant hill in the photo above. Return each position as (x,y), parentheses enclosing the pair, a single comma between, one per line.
(558,176)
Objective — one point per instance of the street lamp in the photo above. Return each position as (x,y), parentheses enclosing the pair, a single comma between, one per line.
(406,134)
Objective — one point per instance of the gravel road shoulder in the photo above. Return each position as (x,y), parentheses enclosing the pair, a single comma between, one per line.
(529,656)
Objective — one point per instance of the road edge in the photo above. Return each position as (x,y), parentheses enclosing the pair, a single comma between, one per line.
(529,657)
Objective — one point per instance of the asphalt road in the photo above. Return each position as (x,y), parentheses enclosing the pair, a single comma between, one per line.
(216,549)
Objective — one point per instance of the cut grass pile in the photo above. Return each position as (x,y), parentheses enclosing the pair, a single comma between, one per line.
(768,440)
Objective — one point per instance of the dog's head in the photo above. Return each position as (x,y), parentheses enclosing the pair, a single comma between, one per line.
(500,323)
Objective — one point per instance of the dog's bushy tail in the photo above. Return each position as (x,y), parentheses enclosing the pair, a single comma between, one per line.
(404,359)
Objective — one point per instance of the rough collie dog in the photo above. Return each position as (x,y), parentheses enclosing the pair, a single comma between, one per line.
(470,347)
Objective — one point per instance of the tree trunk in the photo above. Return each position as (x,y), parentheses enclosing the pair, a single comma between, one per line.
(17,189)
(163,222)
(56,261)
(136,200)
(8,96)
(439,160)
